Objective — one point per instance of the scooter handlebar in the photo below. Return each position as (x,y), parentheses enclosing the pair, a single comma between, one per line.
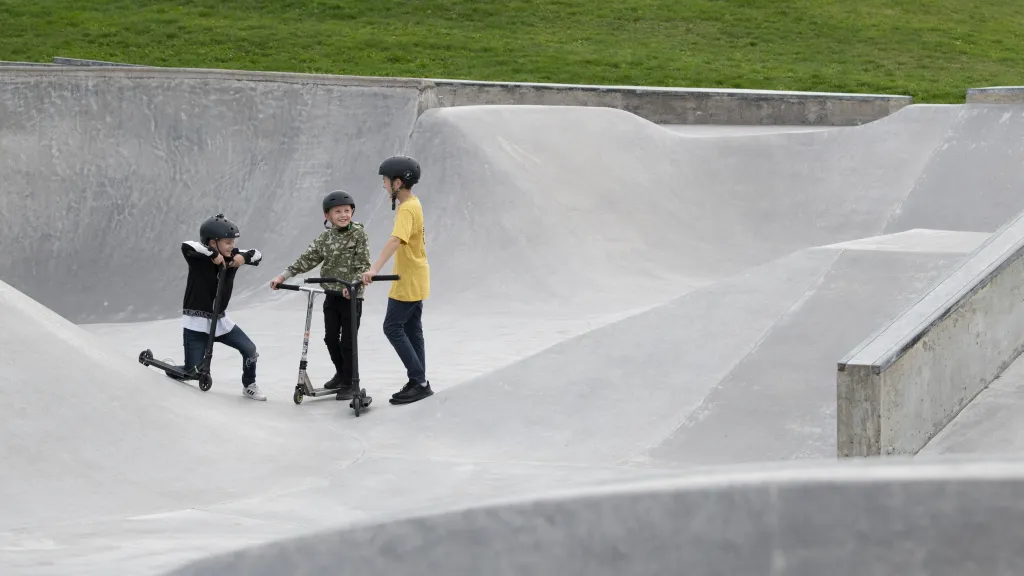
(288,287)
(379,277)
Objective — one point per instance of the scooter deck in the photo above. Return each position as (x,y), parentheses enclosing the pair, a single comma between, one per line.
(146,359)
(302,392)
(203,376)
(320,392)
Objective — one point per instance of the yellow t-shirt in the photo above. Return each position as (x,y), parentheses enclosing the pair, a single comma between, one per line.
(411,256)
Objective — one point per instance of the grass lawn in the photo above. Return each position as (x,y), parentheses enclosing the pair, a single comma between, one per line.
(932,50)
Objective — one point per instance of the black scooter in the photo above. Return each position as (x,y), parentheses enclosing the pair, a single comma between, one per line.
(201,372)
(303,387)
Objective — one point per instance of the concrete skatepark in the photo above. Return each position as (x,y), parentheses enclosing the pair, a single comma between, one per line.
(634,336)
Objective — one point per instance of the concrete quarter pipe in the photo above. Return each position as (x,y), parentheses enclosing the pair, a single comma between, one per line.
(614,301)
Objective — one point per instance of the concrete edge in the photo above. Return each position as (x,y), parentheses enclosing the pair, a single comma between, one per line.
(733,92)
(120,71)
(749,485)
(26,64)
(660,105)
(897,469)
(887,344)
(61,61)
(996,95)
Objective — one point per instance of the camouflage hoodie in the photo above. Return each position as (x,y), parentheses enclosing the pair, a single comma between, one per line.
(345,253)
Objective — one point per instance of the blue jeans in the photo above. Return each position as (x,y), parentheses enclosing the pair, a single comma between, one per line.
(195,346)
(404,330)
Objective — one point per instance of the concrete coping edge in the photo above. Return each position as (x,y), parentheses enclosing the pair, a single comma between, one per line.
(890,471)
(995,89)
(430,82)
(673,90)
(119,71)
(891,341)
(26,64)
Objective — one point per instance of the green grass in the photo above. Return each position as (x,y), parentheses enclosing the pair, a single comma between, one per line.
(932,50)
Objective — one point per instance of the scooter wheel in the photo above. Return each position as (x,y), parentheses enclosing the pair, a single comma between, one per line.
(205,382)
(297,397)
(144,356)
(357,405)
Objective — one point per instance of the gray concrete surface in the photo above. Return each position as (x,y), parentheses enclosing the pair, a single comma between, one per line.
(62,61)
(901,386)
(612,301)
(665,105)
(996,95)
(700,130)
(939,519)
(181,146)
(990,425)
(24,64)
(979,158)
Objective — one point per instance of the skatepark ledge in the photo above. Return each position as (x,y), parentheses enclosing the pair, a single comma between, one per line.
(904,384)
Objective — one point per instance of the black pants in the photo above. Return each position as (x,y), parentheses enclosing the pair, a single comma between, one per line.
(404,329)
(338,332)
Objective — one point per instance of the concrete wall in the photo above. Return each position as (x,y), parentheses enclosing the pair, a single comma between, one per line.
(684,105)
(838,520)
(996,95)
(664,105)
(61,61)
(24,64)
(902,385)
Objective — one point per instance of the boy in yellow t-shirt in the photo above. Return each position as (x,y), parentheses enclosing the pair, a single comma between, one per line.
(402,323)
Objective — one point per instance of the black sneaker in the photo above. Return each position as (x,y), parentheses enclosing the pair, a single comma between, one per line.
(346,391)
(404,390)
(412,392)
(334,383)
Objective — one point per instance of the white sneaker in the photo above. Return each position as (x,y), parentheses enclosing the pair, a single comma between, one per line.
(253,391)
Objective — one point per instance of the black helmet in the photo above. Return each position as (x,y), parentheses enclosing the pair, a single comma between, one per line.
(338,198)
(216,228)
(401,167)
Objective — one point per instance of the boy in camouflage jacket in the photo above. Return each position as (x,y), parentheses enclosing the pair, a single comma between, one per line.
(344,250)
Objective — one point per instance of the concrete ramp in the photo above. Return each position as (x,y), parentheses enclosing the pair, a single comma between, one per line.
(90,434)
(543,206)
(940,519)
(107,171)
(972,181)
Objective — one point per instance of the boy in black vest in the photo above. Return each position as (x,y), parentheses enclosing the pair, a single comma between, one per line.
(204,260)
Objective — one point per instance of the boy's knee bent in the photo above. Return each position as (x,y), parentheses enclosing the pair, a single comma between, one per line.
(394,330)
(249,352)
(250,357)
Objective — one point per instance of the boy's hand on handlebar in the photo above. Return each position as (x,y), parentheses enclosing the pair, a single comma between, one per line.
(368,276)
(344,292)
(237,261)
(218,260)
(277,281)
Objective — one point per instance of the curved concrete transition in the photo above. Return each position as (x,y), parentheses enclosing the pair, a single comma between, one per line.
(881,520)
(612,300)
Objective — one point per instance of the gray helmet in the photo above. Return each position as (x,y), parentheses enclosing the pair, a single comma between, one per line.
(216,228)
(338,198)
(401,167)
